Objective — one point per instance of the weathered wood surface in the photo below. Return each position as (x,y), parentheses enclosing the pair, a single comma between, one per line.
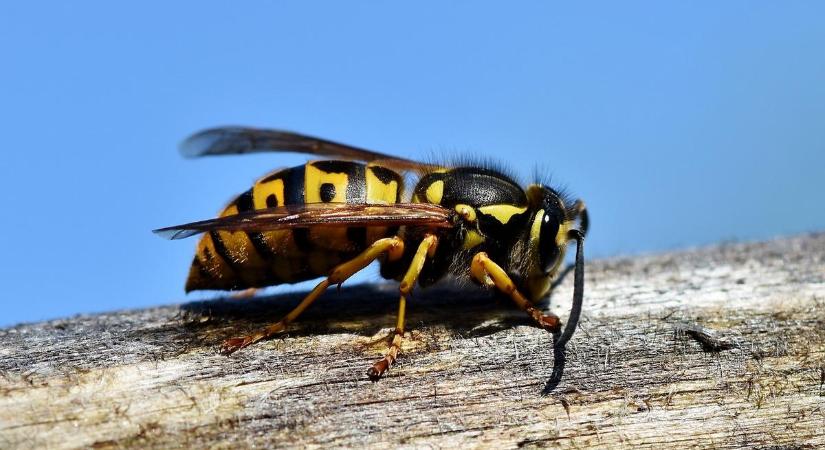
(718,347)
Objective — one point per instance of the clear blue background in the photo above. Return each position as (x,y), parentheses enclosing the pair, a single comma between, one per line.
(681,123)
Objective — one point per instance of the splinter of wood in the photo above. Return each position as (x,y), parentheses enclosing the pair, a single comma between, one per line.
(707,338)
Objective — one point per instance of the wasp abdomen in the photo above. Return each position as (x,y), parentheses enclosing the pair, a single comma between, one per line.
(238,260)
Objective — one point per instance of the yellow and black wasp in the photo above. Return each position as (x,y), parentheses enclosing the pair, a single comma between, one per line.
(332,218)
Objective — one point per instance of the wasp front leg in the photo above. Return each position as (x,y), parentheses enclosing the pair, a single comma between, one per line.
(487,272)
(425,249)
(393,247)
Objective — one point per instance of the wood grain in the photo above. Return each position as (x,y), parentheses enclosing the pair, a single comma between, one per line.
(721,347)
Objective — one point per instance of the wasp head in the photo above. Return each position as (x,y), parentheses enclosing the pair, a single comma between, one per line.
(546,239)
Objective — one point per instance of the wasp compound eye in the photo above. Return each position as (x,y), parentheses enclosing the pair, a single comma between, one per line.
(548,249)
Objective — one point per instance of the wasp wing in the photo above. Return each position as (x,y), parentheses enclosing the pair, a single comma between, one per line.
(238,140)
(319,214)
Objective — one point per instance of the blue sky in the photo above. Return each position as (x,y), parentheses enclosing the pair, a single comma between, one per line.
(680,123)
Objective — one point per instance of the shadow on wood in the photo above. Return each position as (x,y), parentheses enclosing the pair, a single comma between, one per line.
(362,309)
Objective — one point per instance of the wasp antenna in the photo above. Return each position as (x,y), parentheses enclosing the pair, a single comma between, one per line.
(578,291)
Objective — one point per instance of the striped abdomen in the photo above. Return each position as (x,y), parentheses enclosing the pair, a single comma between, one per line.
(236,260)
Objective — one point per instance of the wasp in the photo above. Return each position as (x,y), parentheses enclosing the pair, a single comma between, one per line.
(332,218)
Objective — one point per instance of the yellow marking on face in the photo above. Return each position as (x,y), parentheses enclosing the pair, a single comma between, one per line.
(538,282)
(435,191)
(535,233)
(466,211)
(262,191)
(503,213)
(561,236)
(472,239)
(315,177)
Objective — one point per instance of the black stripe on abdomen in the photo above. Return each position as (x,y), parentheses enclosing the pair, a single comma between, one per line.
(245,203)
(294,187)
(357,193)
(223,252)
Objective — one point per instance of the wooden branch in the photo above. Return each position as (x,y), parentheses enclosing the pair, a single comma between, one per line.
(719,347)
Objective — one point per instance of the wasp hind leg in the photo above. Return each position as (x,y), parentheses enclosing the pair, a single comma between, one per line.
(382,365)
(425,249)
(393,247)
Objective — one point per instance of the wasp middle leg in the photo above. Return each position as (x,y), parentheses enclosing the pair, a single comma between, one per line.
(393,247)
(425,249)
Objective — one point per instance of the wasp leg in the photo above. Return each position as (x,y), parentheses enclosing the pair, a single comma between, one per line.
(382,365)
(393,247)
(485,271)
(425,249)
